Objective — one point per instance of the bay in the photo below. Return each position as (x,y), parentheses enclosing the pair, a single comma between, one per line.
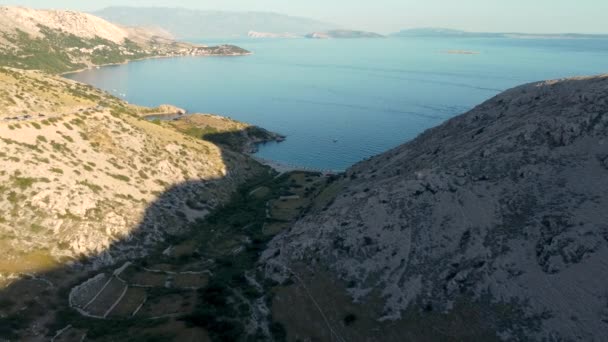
(340,101)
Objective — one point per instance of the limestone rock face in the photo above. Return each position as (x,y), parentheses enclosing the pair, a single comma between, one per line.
(76,23)
(508,201)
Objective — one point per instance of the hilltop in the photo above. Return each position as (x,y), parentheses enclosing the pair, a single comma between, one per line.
(490,226)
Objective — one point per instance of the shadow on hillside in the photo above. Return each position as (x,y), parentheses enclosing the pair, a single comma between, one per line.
(28,305)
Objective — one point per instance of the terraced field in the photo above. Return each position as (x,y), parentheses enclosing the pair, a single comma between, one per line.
(202,285)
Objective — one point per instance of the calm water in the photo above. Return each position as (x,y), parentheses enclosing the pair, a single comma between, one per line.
(340,101)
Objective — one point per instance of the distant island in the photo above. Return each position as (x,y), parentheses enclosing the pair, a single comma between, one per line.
(343,34)
(450,33)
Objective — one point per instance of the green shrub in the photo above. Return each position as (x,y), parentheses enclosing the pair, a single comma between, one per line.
(120,177)
(68,138)
(143,175)
(24,182)
(36,228)
(95,188)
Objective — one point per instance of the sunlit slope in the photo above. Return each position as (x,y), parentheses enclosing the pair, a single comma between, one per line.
(79,169)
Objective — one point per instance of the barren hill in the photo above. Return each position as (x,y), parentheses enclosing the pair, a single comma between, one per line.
(61,41)
(492,225)
(79,24)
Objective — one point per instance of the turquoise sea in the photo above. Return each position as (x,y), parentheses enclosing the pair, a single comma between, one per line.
(340,101)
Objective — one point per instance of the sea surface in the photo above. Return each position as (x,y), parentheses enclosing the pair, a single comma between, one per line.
(341,101)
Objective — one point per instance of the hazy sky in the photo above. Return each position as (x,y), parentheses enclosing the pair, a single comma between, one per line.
(536,16)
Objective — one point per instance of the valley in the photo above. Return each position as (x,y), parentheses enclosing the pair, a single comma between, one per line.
(200,285)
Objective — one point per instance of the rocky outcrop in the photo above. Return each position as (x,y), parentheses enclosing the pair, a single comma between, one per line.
(232,134)
(506,202)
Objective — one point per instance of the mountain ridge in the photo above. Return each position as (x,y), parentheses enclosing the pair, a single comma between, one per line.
(199,24)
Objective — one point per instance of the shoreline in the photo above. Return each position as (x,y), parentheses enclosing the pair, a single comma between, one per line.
(281,168)
(91,67)
(284,168)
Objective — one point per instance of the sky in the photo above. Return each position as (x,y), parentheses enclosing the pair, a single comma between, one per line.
(530,16)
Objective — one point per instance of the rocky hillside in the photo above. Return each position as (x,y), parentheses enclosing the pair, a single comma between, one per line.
(74,23)
(80,168)
(490,226)
(61,41)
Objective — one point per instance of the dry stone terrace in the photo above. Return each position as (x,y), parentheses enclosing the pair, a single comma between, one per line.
(124,292)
